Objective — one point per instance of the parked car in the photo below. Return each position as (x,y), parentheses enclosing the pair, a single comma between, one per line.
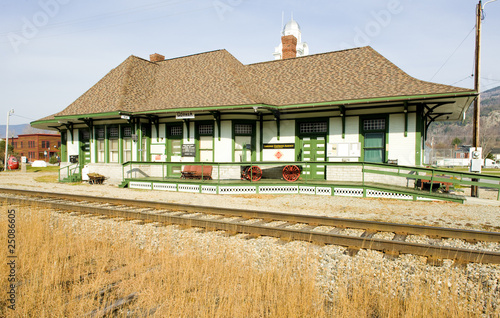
(488,163)
(12,163)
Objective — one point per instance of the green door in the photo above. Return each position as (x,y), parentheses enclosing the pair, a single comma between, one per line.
(313,151)
(84,155)
(374,147)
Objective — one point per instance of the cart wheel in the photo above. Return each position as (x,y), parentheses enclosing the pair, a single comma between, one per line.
(291,173)
(253,173)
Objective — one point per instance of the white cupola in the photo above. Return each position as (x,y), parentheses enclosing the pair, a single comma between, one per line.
(292,28)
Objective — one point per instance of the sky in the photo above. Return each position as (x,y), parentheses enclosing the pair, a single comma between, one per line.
(53,51)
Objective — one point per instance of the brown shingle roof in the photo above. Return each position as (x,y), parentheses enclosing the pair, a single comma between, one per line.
(216,78)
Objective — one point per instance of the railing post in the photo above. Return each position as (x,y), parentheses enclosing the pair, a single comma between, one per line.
(432,181)
(363,174)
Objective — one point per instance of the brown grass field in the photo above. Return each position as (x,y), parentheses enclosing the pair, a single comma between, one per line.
(64,270)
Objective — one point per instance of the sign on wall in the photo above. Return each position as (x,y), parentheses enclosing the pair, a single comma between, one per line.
(188,150)
(343,150)
(279,146)
(184,115)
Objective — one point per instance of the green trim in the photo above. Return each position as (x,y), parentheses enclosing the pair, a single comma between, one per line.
(382,99)
(57,118)
(418,137)
(342,114)
(406,119)
(188,109)
(261,133)
(64,149)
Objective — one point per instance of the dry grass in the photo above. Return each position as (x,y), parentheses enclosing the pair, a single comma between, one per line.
(62,269)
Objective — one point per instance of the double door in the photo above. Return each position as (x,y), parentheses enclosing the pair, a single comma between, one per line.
(314,153)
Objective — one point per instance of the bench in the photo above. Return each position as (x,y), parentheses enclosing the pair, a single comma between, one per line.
(197,172)
(439,183)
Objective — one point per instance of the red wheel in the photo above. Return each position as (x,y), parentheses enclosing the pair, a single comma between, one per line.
(291,173)
(253,173)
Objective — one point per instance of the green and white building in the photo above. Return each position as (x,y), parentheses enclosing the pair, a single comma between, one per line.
(349,105)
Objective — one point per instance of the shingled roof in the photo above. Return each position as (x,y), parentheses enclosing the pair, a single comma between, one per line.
(216,79)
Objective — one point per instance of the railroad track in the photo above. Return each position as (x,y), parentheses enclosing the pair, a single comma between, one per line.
(280,225)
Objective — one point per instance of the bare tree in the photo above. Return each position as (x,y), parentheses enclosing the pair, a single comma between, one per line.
(490,131)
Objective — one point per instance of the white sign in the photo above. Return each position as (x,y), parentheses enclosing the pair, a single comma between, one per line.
(184,115)
(352,149)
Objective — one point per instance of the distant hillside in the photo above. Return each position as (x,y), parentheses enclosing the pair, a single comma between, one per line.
(15,130)
(445,132)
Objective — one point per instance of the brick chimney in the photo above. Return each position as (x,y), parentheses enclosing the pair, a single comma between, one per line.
(156,57)
(289,43)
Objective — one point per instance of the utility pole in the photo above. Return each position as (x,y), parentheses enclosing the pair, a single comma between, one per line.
(477,78)
(7,139)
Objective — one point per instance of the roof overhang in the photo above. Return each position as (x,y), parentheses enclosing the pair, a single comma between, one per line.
(436,107)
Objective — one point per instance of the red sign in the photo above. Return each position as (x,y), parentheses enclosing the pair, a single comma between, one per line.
(278,154)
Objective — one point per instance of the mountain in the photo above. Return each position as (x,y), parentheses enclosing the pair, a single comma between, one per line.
(15,130)
(443,133)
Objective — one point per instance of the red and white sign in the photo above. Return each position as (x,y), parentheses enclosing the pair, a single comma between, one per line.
(278,154)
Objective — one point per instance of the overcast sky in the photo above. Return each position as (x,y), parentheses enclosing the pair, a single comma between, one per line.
(54,50)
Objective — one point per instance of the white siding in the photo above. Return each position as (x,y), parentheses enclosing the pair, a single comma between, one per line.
(73,146)
(287,136)
(224,147)
(400,147)
(351,133)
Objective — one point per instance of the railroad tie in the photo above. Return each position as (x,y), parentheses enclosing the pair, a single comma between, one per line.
(401,237)
(336,230)
(369,233)
(309,227)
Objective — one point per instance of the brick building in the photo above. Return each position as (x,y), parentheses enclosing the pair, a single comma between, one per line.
(37,146)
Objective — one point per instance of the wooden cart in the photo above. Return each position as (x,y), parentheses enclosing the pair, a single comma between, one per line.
(290,173)
(95,178)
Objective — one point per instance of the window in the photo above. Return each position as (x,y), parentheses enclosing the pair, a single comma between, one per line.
(243,129)
(127,143)
(176,131)
(100,144)
(113,134)
(374,124)
(307,128)
(113,150)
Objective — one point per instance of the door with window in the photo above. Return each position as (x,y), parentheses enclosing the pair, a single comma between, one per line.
(205,138)
(374,131)
(127,143)
(113,140)
(101,144)
(312,137)
(174,149)
(84,153)
(244,142)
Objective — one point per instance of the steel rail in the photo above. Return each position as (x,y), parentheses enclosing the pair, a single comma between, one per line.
(398,228)
(393,248)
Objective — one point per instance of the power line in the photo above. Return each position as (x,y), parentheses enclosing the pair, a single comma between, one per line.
(453,53)
(470,76)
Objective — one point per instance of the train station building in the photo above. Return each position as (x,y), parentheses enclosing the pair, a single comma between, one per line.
(345,106)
